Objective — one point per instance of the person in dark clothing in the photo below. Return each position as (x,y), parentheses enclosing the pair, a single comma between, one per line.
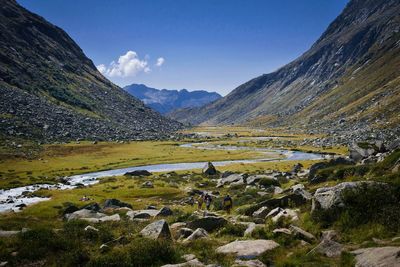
(228,203)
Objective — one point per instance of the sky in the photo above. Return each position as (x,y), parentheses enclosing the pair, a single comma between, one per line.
(214,45)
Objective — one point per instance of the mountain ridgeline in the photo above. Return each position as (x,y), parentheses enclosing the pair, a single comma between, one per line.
(350,78)
(51,91)
(165,101)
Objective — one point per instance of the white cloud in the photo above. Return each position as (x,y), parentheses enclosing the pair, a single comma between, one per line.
(160,61)
(128,65)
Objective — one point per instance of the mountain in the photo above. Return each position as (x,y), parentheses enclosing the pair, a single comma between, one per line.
(165,101)
(350,78)
(51,91)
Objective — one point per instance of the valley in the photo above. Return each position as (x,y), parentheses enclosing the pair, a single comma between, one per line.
(267,157)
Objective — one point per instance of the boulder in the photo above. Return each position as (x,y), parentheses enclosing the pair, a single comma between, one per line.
(328,248)
(297,198)
(165,211)
(176,226)
(233,178)
(191,263)
(327,198)
(302,234)
(377,256)
(209,169)
(249,263)
(279,231)
(157,230)
(142,214)
(184,232)
(251,227)
(147,184)
(8,233)
(138,173)
(208,223)
(278,213)
(84,213)
(197,234)
(90,228)
(261,212)
(115,203)
(248,249)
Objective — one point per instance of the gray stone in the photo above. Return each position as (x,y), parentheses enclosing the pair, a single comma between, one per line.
(302,234)
(377,257)
(249,263)
(209,169)
(84,213)
(327,198)
(157,230)
(248,249)
(328,248)
(261,212)
(197,234)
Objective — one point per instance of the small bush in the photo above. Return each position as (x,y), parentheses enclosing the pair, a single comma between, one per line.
(232,230)
(267,182)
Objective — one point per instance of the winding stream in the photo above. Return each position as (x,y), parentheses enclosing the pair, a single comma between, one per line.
(12,199)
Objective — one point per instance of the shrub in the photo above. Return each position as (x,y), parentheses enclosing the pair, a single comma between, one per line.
(232,230)
(267,182)
(379,204)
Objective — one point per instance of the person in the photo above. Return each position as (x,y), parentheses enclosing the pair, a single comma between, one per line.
(228,203)
(208,200)
(200,201)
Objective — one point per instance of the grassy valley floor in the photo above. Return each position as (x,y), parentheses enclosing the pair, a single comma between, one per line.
(54,241)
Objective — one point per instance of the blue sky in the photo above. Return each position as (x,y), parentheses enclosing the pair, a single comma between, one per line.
(214,45)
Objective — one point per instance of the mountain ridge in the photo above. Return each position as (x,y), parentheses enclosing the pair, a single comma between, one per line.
(52,92)
(358,39)
(167,100)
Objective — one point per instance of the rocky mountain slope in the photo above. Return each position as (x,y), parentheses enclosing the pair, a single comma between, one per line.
(165,100)
(51,91)
(350,78)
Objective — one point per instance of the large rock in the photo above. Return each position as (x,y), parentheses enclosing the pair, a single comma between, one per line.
(115,203)
(165,211)
(248,249)
(208,223)
(84,213)
(197,234)
(261,212)
(278,213)
(250,263)
(302,234)
(209,169)
(142,214)
(377,257)
(328,247)
(297,198)
(157,230)
(327,198)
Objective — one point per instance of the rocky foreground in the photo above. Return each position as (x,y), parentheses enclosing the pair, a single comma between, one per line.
(339,212)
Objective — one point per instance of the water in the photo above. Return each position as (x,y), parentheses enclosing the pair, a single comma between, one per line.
(10,199)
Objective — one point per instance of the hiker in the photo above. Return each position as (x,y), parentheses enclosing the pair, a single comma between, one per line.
(228,203)
(200,201)
(208,200)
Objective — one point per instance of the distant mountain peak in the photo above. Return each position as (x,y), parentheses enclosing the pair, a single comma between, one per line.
(166,100)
